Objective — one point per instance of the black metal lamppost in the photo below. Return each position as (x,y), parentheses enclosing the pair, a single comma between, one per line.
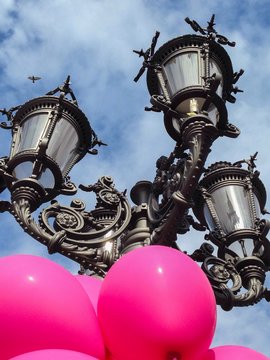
(189,78)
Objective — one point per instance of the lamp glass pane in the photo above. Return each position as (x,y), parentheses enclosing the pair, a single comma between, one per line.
(176,125)
(63,144)
(215,69)
(25,169)
(183,70)
(184,108)
(208,218)
(30,132)
(257,206)
(213,114)
(243,247)
(232,208)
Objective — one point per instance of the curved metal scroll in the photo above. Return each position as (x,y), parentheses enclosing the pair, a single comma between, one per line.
(9,114)
(227,282)
(77,233)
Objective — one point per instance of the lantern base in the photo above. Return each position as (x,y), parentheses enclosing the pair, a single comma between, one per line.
(251,268)
(28,190)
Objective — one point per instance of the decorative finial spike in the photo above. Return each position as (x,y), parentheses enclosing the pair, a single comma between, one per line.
(211,23)
(210,32)
(65,89)
(147,55)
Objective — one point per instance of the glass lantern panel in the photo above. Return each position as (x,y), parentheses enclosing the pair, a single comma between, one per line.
(183,70)
(25,170)
(63,144)
(257,206)
(243,247)
(176,124)
(30,132)
(208,218)
(213,114)
(231,204)
(215,69)
(185,109)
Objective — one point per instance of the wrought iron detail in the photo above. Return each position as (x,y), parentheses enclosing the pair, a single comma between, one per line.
(71,230)
(175,182)
(9,114)
(211,35)
(227,279)
(65,90)
(147,55)
(210,31)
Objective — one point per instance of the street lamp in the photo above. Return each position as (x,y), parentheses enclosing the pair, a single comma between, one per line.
(189,78)
(49,136)
(229,201)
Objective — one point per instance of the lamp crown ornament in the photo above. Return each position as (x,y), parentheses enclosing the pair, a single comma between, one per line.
(190,78)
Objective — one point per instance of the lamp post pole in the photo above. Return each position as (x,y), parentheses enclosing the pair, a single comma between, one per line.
(190,79)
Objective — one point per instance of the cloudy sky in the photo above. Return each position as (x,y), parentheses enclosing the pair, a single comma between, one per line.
(92,40)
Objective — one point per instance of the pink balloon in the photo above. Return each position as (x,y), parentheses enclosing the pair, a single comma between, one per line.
(156,302)
(52,354)
(42,306)
(91,286)
(109,357)
(233,353)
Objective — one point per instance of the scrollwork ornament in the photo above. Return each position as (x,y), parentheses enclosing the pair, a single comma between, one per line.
(109,197)
(66,220)
(220,272)
(71,230)
(68,188)
(227,282)
(105,192)
(78,204)
(86,232)
(9,114)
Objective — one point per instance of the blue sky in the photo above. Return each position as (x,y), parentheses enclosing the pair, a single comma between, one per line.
(93,41)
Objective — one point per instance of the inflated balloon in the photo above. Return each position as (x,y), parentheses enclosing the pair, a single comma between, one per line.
(109,357)
(42,306)
(92,286)
(156,303)
(233,353)
(52,354)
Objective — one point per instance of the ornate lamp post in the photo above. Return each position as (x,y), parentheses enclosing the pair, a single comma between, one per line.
(189,78)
